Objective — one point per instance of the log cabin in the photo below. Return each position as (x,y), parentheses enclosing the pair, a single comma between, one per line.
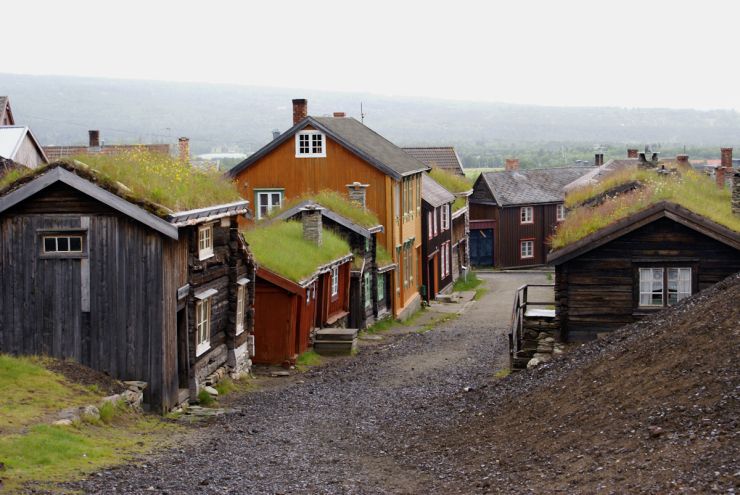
(319,153)
(371,267)
(94,270)
(514,212)
(436,249)
(301,287)
(653,257)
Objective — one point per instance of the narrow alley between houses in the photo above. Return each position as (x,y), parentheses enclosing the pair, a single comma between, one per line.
(351,426)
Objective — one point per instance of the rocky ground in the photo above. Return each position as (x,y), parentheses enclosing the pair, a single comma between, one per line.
(652,409)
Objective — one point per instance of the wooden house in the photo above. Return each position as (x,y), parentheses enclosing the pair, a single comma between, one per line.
(18,144)
(335,153)
(642,263)
(6,114)
(303,288)
(371,267)
(514,212)
(442,157)
(436,208)
(94,272)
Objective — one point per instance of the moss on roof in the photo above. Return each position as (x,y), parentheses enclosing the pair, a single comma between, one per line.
(382,258)
(156,182)
(454,183)
(337,203)
(692,190)
(281,248)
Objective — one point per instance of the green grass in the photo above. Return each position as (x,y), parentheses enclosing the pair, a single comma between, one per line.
(381,326)
(225,386)
(205,399)
(309,358)
(502,373)
(30,392)
(692,190)
(479,293)
(471,282)
(337,203)
(431,325)
(382,258)
(453,183)
(472,174)
(280,247)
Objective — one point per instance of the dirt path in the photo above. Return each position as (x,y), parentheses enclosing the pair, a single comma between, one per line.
(350,426)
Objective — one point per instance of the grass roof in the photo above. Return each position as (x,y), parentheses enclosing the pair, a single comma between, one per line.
(337,203)
(692,190)
(454,183)
(280,248)
(382,258)
(141,177)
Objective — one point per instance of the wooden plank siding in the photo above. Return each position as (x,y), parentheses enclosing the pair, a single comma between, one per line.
(598,291)
(432,277)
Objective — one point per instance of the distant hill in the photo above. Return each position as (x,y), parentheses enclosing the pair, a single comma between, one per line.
(220,116)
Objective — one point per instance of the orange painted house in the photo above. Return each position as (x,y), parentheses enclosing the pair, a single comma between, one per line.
(344,155)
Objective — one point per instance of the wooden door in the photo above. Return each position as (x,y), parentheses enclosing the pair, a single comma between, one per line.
(274,325)
(60,307)
(481,247)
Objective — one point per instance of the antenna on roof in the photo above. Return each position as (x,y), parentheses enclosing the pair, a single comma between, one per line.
(362,114)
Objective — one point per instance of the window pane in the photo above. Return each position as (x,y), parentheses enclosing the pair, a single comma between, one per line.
(50,244)
(75,244)
(275,199)
(63,243)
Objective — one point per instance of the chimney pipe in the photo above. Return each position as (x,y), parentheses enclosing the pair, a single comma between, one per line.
(94,135)
(357,192)
(275,134)
(183,147)
(599,159)
(300,110)
(312,223)
(339,114)
(511,164)
(632,153)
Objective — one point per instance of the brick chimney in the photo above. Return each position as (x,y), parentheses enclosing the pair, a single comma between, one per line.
(340,114)
(300,110)
(632,153)
(511,164)
(726,158)
(736,193)
(599,159)
(357,192)
(183,149)
(312,223)
(719,177)
(94,135)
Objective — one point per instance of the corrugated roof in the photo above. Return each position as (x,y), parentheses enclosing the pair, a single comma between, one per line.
(433,193)
(530,186)
(443,157)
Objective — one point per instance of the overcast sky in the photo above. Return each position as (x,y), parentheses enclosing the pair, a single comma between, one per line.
(556,52)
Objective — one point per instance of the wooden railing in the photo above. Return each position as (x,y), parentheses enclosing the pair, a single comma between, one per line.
(521,303)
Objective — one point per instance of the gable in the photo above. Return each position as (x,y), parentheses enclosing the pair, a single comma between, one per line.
(481,192)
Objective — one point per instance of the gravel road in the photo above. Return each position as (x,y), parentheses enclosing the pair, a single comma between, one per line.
(349,427)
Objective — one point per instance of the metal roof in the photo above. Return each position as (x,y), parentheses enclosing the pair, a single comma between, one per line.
(11,139)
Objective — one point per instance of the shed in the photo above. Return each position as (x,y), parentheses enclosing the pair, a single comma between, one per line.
(95,272)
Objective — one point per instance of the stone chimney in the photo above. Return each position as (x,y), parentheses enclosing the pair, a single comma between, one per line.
(275,134)
(736,193)
(340,114)
(599,159)
(94,135)
(300,110)
(183,149)
(632,153)
(511,164)
(312,223)
(357,192)
(683,160)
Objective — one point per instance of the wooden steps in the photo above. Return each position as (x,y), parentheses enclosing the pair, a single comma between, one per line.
(335,341)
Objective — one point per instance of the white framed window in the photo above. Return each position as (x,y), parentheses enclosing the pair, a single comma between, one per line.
(661,287)
(526,214)
(205,241)
(335,281)
(448,258)
(526,249)
(434,215)
(267,200)
(368,290)
(241,298)
(310,144)
(560,213)
(445,213)
(62,243)
(202,326)
(429,224)
(381,286)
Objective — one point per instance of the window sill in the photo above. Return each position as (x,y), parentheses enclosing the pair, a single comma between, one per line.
(311,155)
(201,349)
(202,256)
(239,331)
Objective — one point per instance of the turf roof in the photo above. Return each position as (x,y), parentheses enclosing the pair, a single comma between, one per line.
(281,248)
(337,203)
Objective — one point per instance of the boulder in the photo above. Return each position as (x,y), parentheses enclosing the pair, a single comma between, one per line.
(211,391)
(533,363)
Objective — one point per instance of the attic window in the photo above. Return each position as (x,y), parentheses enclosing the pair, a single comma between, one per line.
(310,144)
(62,244)
(205,242)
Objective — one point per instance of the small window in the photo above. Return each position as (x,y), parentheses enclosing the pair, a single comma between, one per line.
(205,242)
(429,224)
(560,213)
(335,281)
(62,244)
(526,249)
(435,221)
(381,286)
(310,144)
(368,291)
(445,212)
(240,303)
(268,201)
(656,283)
(526,214)
(203,326)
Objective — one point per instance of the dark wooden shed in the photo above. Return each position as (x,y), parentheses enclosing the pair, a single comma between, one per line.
(639,265)
(118,285)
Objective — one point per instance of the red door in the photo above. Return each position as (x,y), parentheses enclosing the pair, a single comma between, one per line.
(274,325)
